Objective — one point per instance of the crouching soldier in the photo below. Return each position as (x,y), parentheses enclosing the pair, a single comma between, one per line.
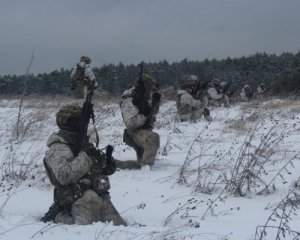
(217,97)
(191,101)
(80,180)
(139,107)
(246,93)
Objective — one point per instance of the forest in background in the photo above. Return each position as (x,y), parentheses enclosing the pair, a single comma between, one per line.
(281,73)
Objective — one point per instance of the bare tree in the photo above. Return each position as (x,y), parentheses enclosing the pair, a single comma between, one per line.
(23,95)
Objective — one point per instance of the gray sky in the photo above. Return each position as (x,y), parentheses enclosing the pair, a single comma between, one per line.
(110,31)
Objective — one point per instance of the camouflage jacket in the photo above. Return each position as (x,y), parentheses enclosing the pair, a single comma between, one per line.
(130,113)
(213,93)
(88,72)
(66,168)
(186,103)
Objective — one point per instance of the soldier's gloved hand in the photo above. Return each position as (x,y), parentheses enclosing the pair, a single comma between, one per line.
(108,153)
(156,97)
(146,109)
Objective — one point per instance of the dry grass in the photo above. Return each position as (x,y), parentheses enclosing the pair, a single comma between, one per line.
(239,125)
(282,103)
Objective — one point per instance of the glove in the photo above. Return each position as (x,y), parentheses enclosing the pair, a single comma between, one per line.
(156,97)
(108,153)
(206,112)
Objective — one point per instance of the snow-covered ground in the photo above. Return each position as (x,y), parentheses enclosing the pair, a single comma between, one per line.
(204,184)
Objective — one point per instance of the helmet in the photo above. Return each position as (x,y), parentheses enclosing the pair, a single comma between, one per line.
(68,117)
(223,84)
(193,77)
(85,59)
(246,86)
(149,83)
(215,81)
(189,85)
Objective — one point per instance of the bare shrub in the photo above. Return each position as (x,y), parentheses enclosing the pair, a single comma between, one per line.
(239,125)
(166,117)
(279,219)
(19,120)
(168,93)
(252,158)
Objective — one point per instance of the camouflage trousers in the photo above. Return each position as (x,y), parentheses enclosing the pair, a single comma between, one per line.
(91,208)
(147,140)
(219,103)
(193,116)
(188,113)
(80,91)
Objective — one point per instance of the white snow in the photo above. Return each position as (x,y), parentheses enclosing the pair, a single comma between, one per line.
(157,203)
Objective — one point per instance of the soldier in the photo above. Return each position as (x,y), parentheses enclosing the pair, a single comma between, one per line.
(216,95)
(80,181)
(191,101)
(82,77)
(246,93)
(139,107)
(261,89)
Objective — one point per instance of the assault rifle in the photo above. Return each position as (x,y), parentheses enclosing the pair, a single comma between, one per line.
(140,84)
(142,104)
(87,113)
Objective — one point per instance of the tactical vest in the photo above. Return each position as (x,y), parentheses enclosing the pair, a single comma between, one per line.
(64,196)
(78,78)
(67,195)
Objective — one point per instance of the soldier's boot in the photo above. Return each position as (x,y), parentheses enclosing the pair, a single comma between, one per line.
(110,213)
(64,218)
(127,139)
(128,164)
(150,151)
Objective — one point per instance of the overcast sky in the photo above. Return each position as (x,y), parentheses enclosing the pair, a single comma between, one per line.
(110,31)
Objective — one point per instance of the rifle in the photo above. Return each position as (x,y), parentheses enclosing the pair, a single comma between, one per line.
(140,84)
(87,113)
(154,110)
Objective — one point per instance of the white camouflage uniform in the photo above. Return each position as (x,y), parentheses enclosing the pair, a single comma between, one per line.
(134,121)
(67,170)
(246,94)
(188,108)
(217,99)
(88,74)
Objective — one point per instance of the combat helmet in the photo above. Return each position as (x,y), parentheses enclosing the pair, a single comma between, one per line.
(215,82)
(193,77)
(247,87)
(85,59)
(68,117)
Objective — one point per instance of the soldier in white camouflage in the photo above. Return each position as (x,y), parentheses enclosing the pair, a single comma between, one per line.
(217,97)
(192,101)
(139,107)
(82,77)
(81,184)
(246,93)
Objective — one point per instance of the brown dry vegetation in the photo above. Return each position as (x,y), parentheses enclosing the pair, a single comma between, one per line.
(239,125)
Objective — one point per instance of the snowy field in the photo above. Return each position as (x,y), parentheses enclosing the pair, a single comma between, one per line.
(234,178)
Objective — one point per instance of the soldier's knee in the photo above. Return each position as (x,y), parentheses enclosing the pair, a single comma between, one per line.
(154,139)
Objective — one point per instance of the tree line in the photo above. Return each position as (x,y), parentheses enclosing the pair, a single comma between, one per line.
(282,72)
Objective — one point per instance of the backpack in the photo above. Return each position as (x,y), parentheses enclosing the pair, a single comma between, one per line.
(78,77)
